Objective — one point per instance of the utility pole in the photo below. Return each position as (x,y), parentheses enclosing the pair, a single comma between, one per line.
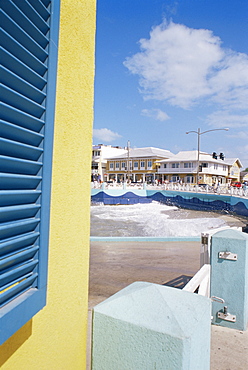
(199,133)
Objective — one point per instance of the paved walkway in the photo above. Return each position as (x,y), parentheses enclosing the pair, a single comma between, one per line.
(114,265)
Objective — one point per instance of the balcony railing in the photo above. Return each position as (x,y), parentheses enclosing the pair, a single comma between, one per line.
(206,170)
(177,170)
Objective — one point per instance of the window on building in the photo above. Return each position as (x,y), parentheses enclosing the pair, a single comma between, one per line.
(189,179)
(142,164)
(204,164)
(123,165)
(175,178)
(117,165)
(216,166)
(111,166)
(149,164)
(175,165)
(165,165)
(136,165)
(224,168)
(26,123)
(188,165)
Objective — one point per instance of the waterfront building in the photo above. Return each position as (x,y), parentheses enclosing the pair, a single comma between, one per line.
(234,169)
(100,154)
(183,166)
(136,165)
(244,176)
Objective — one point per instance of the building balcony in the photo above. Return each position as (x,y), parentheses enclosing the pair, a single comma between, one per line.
(203,170)
(177,170)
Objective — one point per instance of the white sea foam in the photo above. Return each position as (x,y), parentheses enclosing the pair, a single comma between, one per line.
(152,219)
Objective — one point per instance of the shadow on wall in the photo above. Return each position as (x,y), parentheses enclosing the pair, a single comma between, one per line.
(15,342)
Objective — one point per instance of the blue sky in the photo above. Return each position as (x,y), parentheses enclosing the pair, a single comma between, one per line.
(164,67)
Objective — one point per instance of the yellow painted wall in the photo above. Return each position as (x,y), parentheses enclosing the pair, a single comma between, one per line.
(56,337)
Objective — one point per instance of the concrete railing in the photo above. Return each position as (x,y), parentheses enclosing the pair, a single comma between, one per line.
(150,326)
(229,278)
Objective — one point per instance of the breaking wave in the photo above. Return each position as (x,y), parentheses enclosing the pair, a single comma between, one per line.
(152,219)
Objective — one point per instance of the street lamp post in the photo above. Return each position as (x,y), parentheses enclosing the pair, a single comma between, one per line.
(199,133)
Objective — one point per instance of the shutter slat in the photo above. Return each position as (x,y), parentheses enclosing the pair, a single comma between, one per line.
(17,273)
(16,290)
(18,182)
(19,166)
(11,245)
(21,86)
(19,101)
(13,47)
(18,258)
(19,150)
(46,3)
(18,117)
(32,14)
(40,8)
(14,213)
(24,22)
(17,33)
(10,62)
(18,197)
(20,134)
(12,229)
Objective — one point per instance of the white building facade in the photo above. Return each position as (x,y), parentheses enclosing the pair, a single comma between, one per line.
(183,167)
(100,155)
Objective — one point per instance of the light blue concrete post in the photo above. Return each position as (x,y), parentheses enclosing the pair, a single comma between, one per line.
(229,278)
(103,185)
(148,326)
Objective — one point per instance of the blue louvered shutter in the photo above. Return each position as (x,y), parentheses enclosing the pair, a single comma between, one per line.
(29,40)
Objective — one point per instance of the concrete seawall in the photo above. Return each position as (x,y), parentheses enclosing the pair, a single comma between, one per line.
(188,200)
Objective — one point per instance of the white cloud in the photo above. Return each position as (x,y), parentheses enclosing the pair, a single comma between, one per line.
(182,66)
(105,135)
(243,135)
(230,83)
(241,151)
(224,118)
(156,114)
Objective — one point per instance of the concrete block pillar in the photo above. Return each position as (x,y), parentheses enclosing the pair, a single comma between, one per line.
(229,278)
(148,326)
